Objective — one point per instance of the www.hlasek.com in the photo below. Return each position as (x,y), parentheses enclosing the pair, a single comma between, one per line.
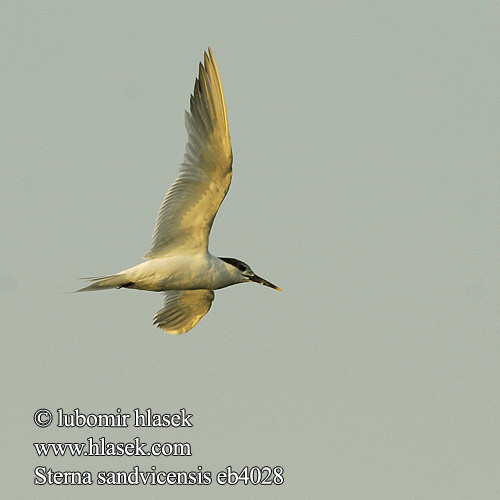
(104,448)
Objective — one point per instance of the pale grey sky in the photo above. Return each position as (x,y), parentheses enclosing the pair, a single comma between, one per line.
(366,184)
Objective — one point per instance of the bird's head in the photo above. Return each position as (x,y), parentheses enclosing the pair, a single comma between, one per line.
(244,273)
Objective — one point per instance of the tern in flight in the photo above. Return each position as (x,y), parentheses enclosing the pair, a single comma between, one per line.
(179,263)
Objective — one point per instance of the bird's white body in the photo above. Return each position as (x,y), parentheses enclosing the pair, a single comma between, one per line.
(181,272)
(179,263)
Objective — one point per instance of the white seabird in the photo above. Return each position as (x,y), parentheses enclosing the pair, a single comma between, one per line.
(179,263)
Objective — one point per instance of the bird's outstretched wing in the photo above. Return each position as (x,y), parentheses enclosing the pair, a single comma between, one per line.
(183,309)
(190,205)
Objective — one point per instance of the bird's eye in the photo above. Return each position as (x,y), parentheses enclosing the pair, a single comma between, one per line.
(241,267)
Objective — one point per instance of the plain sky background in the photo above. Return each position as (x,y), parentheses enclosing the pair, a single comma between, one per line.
(366,184)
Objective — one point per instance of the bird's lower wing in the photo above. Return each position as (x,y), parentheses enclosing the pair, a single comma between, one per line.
(183,309)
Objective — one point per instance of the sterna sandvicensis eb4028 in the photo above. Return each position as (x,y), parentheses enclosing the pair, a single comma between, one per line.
(179,263)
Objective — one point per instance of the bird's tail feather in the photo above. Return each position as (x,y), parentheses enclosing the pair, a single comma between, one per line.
(106,282)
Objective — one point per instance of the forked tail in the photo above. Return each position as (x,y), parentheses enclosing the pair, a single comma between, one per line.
(106,282)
